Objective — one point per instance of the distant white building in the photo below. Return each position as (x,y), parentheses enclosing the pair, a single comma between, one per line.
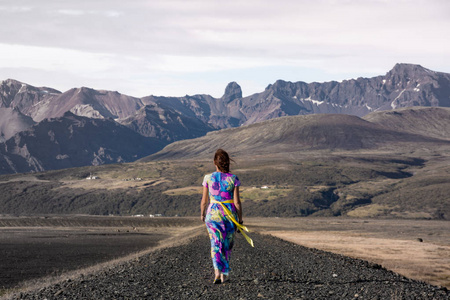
(155,215)
(264,187)
(91,177)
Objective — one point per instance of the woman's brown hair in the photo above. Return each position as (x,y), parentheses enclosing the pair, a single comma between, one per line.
(222,161)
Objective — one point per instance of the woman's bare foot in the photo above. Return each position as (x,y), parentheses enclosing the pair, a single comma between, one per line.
(217,277)
(223,278)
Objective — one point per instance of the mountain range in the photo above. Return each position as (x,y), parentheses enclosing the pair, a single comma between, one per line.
(42,128)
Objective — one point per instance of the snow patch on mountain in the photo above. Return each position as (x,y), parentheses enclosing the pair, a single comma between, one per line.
(316,102)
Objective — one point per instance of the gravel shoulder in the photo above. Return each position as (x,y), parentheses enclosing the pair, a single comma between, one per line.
(417,249)
(274,268)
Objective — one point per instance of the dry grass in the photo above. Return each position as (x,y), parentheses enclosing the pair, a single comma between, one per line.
(422,261)
(371,211)
(110,184)
(189,190)
(317,188)
(259,194)
(391,243)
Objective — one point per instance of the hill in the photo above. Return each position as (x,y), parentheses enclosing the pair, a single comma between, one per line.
(427,121)
(306,133)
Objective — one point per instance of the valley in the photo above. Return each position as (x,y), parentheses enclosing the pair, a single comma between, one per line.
(361,184)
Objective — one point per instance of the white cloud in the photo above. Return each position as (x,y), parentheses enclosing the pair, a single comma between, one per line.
(15,9)
(77,12)
(162,40)
(51,59)
(70,12)
(187,64)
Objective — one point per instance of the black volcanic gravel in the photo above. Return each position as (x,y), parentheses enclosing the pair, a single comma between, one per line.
(274,269)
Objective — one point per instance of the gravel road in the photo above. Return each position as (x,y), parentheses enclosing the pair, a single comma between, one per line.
(274,269)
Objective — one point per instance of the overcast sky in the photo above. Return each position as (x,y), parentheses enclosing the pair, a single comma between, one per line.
(173,48)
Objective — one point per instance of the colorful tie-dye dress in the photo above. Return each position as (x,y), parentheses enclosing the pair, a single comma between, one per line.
(221,229)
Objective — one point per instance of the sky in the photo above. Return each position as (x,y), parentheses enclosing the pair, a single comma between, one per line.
(177,48)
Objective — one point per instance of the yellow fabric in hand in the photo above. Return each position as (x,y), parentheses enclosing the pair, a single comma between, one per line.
(230,215)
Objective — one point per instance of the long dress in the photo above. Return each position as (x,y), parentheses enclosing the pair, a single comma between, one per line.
(220,228)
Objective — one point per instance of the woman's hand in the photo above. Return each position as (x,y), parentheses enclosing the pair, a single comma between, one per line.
(204,203)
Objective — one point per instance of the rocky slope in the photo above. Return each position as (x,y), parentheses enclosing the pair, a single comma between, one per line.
(23,97)
(273,269)
(165,124)
(72,141)
(13,121)
(89,103)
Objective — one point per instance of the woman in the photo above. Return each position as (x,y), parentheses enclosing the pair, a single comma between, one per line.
(224,213)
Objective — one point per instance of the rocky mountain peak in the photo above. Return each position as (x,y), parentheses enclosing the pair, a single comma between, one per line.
(10,81)
(281,85)
(232,91)
(15,86)
(409,71)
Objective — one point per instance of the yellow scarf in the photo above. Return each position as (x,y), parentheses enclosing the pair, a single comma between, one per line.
(230,215)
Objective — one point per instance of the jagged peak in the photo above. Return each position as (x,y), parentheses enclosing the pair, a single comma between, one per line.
(405,68)
(232,91)
(86,89)
(10,80)
(80,90)
(276,84)
(13,82)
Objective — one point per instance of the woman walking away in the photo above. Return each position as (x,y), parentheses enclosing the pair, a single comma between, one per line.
(224,213)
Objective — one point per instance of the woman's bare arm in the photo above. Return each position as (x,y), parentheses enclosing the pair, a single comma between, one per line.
(237,203)
(204,203)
